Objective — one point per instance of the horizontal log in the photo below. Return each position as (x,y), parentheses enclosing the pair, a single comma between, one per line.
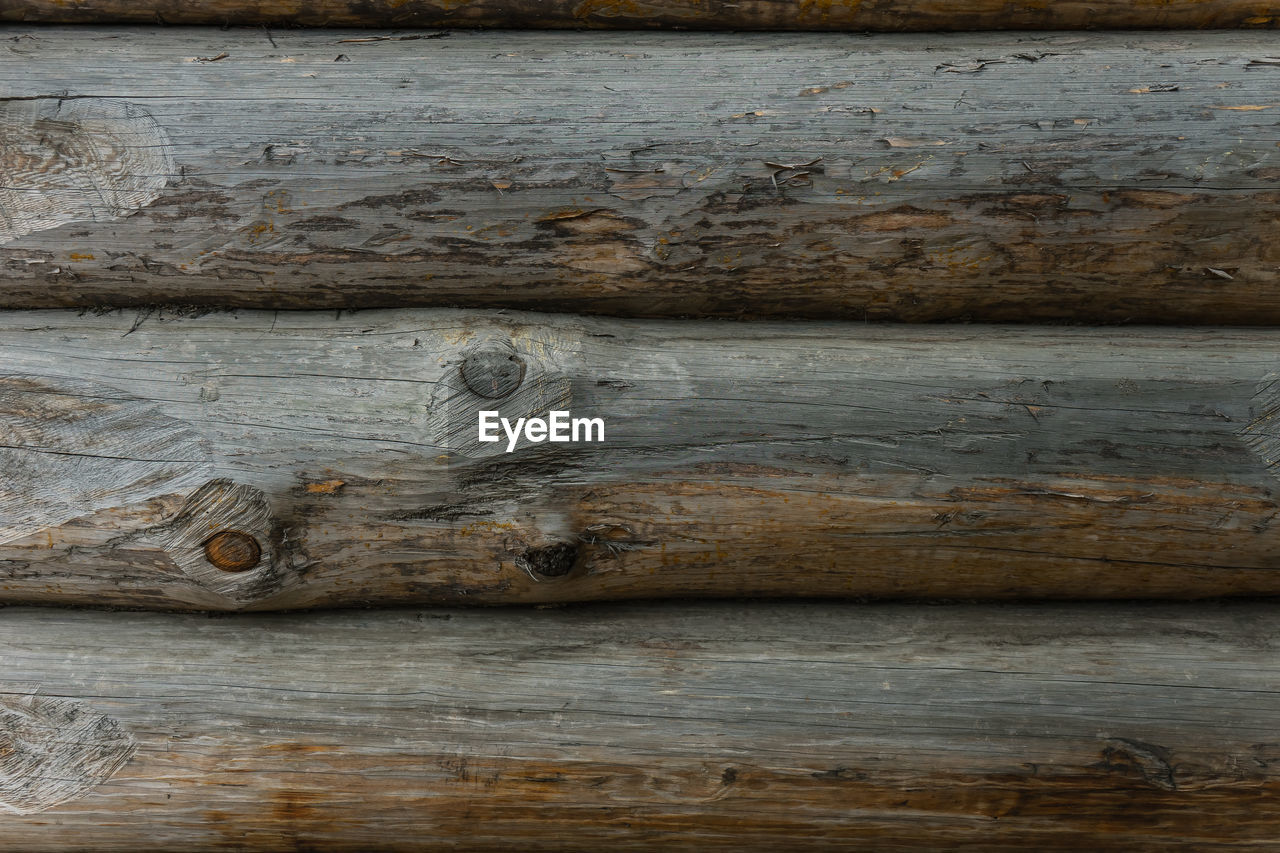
(287,460)
(1111,177)
(854,15)
(714,727)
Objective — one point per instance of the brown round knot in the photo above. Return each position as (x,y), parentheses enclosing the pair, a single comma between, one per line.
(232,551)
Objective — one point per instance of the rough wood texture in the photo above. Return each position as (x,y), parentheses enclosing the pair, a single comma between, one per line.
(1107,177)
(811,459)
(702,728)
(855,15)
(53,750)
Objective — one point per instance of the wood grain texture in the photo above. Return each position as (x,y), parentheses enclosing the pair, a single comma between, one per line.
(854,15)
(68,161)
(54,750)
(714,727)
(806,460)
(1110,177)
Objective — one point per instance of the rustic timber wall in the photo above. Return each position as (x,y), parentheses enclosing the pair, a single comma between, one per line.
(175,455)
(659,727)
(901,177)
(811,460)
(853,15)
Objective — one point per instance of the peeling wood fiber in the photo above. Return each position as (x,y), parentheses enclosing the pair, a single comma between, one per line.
(112,449)
(1109,177)
(52,749)
(66,161)
(853,15)
(711,727)
(815,459)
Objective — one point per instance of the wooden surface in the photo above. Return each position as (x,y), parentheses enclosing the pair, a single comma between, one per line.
(639,728)
(798,459)
(854,15)
(1108,177)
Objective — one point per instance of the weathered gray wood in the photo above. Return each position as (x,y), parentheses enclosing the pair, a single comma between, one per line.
(711,727)
(803,459)
(1008,177)
(854,15)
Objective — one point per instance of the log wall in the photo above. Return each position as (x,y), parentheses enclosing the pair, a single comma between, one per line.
(174,455)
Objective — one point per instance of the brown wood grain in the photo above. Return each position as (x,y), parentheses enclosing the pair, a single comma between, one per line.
(1112,177)
(705,727)
(854,15)
(773,459)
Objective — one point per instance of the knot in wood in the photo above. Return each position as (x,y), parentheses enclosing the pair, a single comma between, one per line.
(493,373)
(552,561)
(232,551)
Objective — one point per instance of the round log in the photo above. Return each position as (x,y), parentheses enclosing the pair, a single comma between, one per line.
(340,461)
(851,15)
(731,727)
(1111,177)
